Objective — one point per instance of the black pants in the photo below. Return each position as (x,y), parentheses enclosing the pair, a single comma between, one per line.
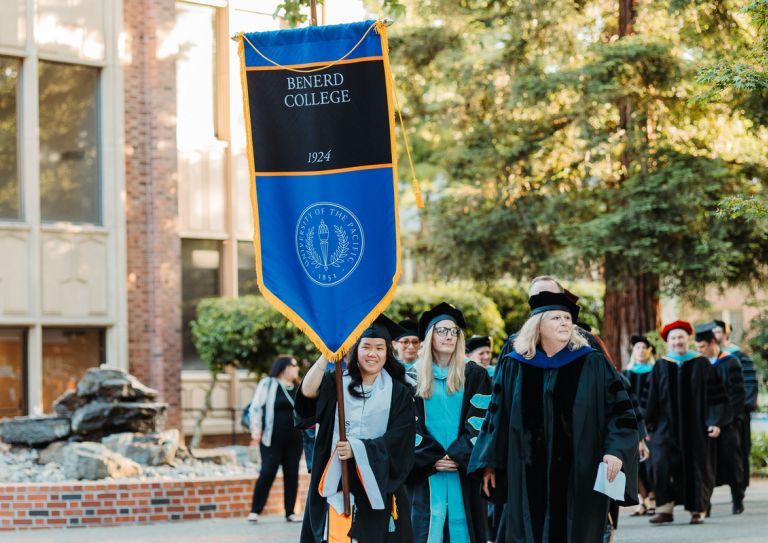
(746,446)
(284,451)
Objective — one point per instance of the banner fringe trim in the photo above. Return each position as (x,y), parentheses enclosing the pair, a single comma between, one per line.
(277,303)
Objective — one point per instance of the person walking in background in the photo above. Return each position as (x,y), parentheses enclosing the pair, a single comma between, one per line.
(722,333)
(280,442)
(407,343)
(684,408)
(638,371)
(452,397)
(479,351)
(728,468)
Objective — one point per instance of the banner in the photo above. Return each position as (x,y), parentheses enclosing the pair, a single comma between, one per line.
(321,148)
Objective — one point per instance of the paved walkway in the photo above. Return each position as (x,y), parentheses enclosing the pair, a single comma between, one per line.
(751,527)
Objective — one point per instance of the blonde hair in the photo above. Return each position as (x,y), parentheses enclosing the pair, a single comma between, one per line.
(530,335)
(425,378)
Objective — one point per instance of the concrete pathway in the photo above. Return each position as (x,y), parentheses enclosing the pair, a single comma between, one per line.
(751,527)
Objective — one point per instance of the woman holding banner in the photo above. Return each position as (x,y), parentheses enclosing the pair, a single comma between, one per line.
(452,398)
(380,430)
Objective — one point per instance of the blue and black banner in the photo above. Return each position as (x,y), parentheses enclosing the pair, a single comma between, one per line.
(320,130)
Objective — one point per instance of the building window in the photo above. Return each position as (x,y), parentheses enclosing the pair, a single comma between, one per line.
(200,278)
(70,188)
(10,193)
(246,269)
(13,364)
(195,75)
(67,355)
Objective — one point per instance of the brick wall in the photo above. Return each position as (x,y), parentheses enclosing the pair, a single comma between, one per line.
(28,506)
(151,207)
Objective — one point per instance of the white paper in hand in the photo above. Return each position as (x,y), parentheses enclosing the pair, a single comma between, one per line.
(614,490)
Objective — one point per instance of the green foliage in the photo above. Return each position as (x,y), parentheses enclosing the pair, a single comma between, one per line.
(245,332)
(758,342)
(743,73)
(527,164)
(295,12)
(480,311)
(758,459)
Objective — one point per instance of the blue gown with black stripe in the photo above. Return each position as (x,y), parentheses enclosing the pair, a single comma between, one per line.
(447,506)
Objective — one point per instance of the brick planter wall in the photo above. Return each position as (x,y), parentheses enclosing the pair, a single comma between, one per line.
(27,505)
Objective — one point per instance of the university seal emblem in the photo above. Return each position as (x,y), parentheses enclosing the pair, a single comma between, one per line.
(329,243)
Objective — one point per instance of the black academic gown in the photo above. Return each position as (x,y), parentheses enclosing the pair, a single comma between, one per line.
(390,456)
(680,403)
(729,468)
(638,383)
(750,405)
(477,390)
(556,425)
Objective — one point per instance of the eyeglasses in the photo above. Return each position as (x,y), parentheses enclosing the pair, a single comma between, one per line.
(406,342)
(443,331)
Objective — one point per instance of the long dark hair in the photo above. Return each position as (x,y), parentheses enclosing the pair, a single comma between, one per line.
(392,366)
(281,363)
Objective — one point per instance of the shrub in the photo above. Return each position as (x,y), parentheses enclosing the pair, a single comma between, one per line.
(245,332)
(758,459)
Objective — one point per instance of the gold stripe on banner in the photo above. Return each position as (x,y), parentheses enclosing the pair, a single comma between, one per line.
(323,172)
(312,64)
(277,303)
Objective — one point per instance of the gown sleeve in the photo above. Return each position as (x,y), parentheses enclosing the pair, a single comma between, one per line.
(736,388)
(718,409)
(307,411)
(492,445)
(477,392)
(621,437)
(750,380)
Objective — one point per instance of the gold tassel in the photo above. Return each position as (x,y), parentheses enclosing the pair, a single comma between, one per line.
(394,507)
(416,187)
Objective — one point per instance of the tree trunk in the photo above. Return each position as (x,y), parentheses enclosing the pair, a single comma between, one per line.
(197,433)
(631,307)
(631,304)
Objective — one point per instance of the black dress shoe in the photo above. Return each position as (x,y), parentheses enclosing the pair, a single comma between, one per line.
(696,519)
(738,508)
(661,518)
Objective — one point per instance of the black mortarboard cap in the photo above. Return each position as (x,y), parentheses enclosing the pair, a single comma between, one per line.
(410,328)
(720,324)
(383,328)
(475,342)
(553,301)
(442,311)
(705,332)
(638,338)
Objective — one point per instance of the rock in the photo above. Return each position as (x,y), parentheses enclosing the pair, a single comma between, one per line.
(99,418)
(215,456)
(68,403)
(148,450)
(245,455)
(113,384)
(32,431)
(93,461)
(52,453)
